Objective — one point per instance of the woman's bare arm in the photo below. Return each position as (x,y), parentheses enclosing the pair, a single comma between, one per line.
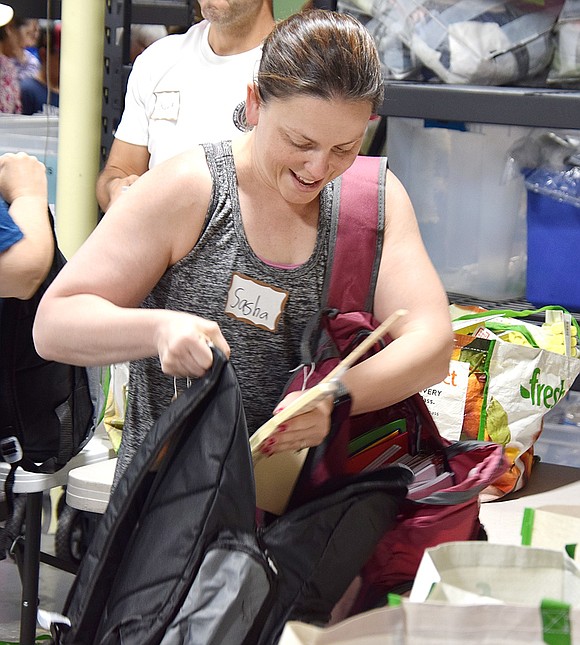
(90,315)
(24,265)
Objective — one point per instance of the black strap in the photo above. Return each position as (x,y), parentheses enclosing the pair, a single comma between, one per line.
(7,533)
(9,488)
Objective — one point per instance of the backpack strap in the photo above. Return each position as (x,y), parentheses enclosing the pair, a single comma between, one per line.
(35,452)
(356,236)
(15,341)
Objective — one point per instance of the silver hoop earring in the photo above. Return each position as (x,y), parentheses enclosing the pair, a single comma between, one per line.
(240,119)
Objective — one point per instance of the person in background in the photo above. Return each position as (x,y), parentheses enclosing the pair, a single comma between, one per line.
(144,35)
(9,84)
(26,239)
(154,283)
(187,89)
(40,94)
(31,36)
(26,33)
(14,37)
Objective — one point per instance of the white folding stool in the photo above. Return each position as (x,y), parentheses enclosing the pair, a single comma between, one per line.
(89,487)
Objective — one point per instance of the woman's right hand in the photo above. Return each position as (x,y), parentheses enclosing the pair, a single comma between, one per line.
(184,344)
(22,175)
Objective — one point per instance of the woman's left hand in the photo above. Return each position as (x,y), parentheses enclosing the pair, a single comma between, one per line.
(303,431)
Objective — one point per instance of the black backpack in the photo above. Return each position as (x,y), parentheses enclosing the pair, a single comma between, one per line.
(177,557)
(46,411)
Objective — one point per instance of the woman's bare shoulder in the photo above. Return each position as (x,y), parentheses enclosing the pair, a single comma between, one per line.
(186,170)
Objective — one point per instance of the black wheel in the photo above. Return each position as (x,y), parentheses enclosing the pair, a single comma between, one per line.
(18,514)
(13,527)
(74,530)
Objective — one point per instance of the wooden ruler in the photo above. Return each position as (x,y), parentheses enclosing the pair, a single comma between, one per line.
(276,476)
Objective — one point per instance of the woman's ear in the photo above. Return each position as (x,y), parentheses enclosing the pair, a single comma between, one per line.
(252,105)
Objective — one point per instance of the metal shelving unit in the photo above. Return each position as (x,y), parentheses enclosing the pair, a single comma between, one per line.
(116,65)
(526,106)
(536,107)
(174,12)
(38,8)
(121,14)
(523,106)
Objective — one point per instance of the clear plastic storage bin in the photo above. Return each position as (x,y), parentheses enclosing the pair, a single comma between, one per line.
(559,442)
(471,215)
(37,135)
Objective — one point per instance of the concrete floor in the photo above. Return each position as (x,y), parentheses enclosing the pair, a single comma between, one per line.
(54,585)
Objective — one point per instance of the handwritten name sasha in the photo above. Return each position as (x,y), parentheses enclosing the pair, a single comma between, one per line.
(249,308)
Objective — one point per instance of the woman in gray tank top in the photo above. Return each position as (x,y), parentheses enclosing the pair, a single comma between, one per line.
(227,245)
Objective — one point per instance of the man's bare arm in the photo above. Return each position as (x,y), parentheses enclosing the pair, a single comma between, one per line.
(126,163)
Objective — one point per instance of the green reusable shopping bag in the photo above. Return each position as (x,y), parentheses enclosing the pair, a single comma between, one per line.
(499,390)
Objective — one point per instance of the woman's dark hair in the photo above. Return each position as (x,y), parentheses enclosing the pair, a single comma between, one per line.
(323,54)
(49,37)
(15,23)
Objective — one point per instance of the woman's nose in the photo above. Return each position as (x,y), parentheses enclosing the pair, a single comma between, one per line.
(318,164)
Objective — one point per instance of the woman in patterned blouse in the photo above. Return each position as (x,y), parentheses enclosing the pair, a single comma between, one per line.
(9,84)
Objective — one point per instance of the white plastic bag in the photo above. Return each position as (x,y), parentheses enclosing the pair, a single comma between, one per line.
(565,66)
(433,623)
(483,41)
(486,573)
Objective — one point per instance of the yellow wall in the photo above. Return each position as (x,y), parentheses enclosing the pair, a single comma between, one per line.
(285,8)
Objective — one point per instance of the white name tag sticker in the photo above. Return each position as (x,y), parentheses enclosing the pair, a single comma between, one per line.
(255,302)
(166,106)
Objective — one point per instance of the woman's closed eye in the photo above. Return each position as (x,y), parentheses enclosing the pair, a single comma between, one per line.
(303,146)
(343,150)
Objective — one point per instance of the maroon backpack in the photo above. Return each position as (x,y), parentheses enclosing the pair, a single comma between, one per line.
(450,513)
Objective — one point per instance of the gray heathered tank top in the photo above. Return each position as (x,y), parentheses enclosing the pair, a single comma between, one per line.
(199,284)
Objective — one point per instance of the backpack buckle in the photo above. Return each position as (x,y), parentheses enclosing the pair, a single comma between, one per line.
(11,450)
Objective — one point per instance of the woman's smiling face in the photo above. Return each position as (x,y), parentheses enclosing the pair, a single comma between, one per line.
(302,143)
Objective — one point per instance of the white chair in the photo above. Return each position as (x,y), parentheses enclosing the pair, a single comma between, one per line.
(33,485)
(89,487)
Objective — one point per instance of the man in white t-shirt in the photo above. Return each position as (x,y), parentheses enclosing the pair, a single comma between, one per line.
(187,89)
